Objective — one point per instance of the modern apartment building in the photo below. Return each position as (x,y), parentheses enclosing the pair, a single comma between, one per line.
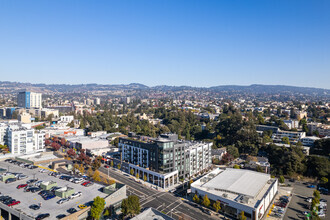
(323,130)
(293,136)
(21,138)
(164,159)
(29,100)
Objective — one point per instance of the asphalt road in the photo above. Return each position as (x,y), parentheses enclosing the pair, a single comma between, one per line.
(162,201)
(299,204)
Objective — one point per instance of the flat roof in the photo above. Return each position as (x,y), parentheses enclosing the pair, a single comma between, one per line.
(239,181)
(152,214)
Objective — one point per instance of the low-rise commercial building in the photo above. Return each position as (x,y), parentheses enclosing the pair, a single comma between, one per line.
(152,214)
(238,190)
(87,143)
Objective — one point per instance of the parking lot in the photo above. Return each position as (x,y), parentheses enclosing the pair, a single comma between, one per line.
(47,206)
(299,203)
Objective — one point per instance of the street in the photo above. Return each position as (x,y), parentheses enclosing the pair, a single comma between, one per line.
(162,201)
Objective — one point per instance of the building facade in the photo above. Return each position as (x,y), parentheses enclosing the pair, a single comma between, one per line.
(165,158)
(29,100)
(21,138)
(238,190)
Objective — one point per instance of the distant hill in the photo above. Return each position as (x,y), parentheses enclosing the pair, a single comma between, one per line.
(14,87)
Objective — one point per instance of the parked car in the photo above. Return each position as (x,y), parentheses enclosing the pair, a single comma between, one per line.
(54,188)
(42,171)
(4,198)
(61,201)
(311,186)
(14,203)
(72,210)
(84,183)
(31,181)
(78,180)
(60,216)
(87,183)
(309,199)
(38,183)
(10,180)
(22,176)
(8,201)
(32,167)
(42,216)
(82,206)
(22,186)
(32,189)
(34,207)
(49,197)
(75,195)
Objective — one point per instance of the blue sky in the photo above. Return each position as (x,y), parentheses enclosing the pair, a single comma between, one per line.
(172,42)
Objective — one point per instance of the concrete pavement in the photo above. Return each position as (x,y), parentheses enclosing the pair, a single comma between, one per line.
(160,200)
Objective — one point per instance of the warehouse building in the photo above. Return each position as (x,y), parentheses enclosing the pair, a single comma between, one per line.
(238,190)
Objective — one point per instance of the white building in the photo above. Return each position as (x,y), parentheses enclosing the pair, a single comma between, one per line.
(29,100)
(238,190)
(22,139)
(87,143)
(291,123)
(66,119)
(293,136)
(97,101)
(309,140)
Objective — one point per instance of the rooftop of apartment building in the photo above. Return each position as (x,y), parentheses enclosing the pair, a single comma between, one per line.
(164,138)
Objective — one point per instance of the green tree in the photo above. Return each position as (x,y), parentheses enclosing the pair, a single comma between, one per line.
(81,169)
(90,172)
(324,180)
(119,166)
(131,206)
(196,198)
(132,172)
(111,163)
(96,176)
(145,178)
(137,175)
(232,150)
(75,167)
(106,212)
(236,167)
(285,140)
(96,163)
(206,202)
(281,179)
(97,207)
(217,206)
(242,216)
(316,194)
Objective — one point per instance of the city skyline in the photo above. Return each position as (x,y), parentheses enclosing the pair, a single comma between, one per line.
(199,44)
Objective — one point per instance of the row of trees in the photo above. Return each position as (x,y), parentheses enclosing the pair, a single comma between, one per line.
(216,205)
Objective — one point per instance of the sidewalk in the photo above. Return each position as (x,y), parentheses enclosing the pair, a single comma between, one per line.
(282,191)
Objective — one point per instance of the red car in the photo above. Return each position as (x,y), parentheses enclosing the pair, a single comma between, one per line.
(21,186)
(87,183)
(14,203)
(106,166)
